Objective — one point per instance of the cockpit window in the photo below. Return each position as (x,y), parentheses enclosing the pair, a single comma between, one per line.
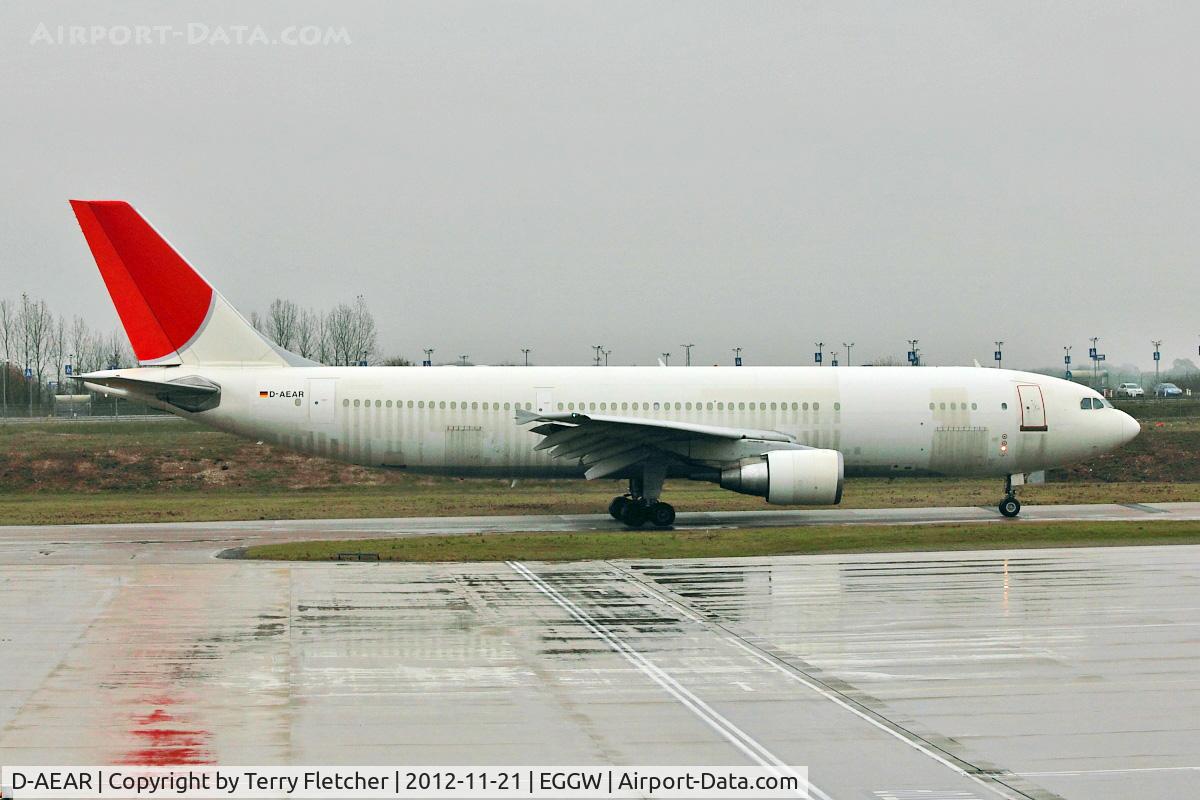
(1089,403)
(1086,404)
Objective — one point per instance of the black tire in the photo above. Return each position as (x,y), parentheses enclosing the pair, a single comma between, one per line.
(1010,506)
(634,514)
(617,507)
(662,515)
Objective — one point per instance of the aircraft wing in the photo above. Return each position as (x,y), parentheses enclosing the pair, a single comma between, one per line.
(608,444)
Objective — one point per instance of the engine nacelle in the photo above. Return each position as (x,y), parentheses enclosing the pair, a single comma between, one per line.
(789,477)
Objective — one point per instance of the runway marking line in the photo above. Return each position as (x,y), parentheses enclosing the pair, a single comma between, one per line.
(728,730)
(791,672)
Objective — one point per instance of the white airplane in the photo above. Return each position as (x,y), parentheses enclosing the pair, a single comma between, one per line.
(788,434)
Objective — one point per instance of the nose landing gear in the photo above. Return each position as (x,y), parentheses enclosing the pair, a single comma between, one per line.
(1010,506)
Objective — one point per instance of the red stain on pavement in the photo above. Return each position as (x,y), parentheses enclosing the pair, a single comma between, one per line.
(164,744)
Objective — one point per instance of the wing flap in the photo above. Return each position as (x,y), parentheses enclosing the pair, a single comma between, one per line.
(605,445)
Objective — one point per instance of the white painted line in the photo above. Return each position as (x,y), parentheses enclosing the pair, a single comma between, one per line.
(735,735)
(831,696)
(1068,773)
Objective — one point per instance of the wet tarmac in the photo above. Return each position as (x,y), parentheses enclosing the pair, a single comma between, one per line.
(1049,673)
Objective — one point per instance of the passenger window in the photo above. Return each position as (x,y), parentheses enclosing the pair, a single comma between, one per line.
(389,403)
(356,403)
(560,406)
(752,407)
(679,406)
(837,406)
(942,406)
(773,407)
(974,406)
(816,406)
(379,404)
(795,406)
(441,404)
(345,403)
(710,405)
(688,406)
(742,406)
(931,406)
(1004,406)
(806,406)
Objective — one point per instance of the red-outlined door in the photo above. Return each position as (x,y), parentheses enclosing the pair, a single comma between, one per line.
(1033,407)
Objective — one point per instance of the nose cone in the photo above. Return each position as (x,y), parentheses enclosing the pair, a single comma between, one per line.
(1130,428)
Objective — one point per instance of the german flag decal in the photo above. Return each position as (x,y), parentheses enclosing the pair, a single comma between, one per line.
(262,393)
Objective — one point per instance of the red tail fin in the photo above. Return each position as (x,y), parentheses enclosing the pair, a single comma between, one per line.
(161,300)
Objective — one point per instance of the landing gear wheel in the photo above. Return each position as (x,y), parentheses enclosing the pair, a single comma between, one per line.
(634,514)
(617,507)
(1010,506)
(662,515)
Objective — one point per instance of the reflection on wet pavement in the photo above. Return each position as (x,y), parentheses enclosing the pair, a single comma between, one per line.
(1050,673)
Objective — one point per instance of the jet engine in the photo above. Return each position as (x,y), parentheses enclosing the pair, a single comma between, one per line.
(789,477)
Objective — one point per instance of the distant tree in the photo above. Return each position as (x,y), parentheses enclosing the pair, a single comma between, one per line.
(35,327)
(886,361)
(308,332)
(282,321)
(397,361)
(1184,365)
(257,322)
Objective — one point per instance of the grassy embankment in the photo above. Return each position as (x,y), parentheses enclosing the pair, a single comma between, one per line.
(624,544)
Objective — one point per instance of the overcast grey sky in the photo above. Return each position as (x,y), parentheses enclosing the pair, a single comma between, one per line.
(499,175)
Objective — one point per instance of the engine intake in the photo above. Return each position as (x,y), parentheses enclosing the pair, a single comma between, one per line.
(789,477)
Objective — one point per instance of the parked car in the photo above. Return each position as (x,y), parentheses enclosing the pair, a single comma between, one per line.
(1167,390)
(1130,390)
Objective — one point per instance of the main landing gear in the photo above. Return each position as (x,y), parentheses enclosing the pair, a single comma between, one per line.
(641,504)
(1010,506)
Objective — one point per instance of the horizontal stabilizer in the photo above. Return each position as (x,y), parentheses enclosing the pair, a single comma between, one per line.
(191,393)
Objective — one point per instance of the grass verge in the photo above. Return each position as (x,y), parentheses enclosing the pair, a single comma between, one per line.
(599,545)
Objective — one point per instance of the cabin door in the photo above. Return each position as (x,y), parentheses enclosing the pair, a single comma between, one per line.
(321,401)
(545,399)
(1033,407)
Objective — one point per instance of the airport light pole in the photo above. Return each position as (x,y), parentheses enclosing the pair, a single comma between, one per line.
(1157,356)
(687,354)
(1067,360)
(819,356)
(999,354)
(849,360)
(833,362)
(914,355)
(737,356)
(666,357)
(525,352)
(428,362)
(598,348)
(607,353)
(1094,354)
(463,357)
